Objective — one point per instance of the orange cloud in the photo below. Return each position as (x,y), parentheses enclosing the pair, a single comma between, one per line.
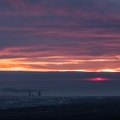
(23,64)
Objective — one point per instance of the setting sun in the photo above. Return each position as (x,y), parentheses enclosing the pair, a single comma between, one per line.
(98,79)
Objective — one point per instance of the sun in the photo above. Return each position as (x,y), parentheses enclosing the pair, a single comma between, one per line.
(98,79)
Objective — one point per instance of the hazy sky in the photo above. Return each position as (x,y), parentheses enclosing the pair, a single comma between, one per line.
(60,35)
(62,83)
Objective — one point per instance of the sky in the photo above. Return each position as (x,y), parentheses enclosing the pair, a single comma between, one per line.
(60,35)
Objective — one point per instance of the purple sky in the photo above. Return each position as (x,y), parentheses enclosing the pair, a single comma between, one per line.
(60,35)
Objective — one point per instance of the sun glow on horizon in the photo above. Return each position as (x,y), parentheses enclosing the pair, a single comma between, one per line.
(107,70)
(98,79)
(23,64)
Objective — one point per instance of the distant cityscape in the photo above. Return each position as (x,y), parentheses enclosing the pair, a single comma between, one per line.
(32,100)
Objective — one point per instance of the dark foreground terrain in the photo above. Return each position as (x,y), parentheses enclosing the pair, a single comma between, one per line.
(107,108)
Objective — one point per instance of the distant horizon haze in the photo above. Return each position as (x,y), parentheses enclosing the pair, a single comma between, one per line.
(63,83)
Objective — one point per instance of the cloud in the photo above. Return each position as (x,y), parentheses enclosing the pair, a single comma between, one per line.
(70,12)
(77,29)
